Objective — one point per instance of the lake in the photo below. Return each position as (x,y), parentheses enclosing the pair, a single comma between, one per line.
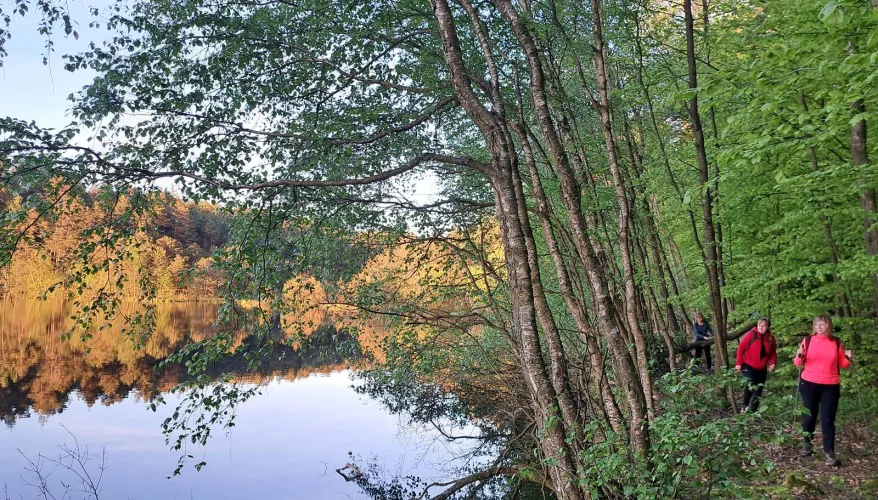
(286,444)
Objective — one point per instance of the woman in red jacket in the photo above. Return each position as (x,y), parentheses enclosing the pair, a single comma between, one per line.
(757,355)
(822,356)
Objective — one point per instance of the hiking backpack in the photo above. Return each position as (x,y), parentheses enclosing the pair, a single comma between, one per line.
(752,340)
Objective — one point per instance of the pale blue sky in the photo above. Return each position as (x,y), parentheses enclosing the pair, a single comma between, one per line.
(30,90)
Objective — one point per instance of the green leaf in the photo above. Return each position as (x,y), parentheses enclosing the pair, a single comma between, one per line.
(858,118)
(832,13)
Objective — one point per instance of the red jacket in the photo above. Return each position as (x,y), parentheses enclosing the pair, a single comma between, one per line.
(823,359)
(748,353)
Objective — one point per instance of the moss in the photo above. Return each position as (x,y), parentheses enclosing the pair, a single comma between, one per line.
(870,487)
(799,486)
(777,492)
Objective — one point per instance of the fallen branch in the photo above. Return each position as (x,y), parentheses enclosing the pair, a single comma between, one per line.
(353,474)
(734,335)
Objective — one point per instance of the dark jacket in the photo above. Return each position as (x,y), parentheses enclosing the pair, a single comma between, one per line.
(702,331)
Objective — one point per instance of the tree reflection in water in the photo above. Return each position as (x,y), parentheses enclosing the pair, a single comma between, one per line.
(39,371)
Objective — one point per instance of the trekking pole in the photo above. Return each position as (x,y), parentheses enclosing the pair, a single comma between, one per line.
(798,383)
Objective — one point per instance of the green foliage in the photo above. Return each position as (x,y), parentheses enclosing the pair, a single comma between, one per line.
(788,77)
(697,448)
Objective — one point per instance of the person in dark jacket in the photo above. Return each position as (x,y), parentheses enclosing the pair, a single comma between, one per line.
(703,332)
(757,355)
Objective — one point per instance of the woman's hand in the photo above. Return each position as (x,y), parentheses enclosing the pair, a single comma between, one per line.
(848,354)
(737,367)
(800,352)
(771,368)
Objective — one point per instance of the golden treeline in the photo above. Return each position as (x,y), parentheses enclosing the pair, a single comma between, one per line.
(38,369)
(424,287)
(169,240)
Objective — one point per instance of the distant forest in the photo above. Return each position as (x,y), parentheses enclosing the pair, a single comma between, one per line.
(171,244)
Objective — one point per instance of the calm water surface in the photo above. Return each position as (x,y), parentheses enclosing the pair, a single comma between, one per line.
(286,444)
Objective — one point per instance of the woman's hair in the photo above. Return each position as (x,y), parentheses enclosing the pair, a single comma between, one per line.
(764,320)
(824,318)
(699,315)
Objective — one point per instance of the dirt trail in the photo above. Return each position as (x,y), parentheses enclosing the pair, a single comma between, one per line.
(808,477)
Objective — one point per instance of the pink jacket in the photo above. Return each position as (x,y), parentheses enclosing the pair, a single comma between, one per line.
(823,359)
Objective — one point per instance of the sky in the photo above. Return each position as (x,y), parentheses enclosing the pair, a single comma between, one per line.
(30,90)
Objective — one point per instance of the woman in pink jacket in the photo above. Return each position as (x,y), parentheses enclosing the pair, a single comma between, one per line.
(822,357)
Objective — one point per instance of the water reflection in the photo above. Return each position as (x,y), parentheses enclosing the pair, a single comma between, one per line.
(38,370)
(286,444)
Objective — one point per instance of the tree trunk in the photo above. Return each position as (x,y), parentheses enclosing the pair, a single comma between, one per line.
(711,262)
(827,229)
(665,160)
(557,357)
(667,324)
(553,445)
(625,246)
(859,156)
(625,369)
(574,304)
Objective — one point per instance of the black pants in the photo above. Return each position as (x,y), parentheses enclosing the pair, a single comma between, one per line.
(822,397)
(706,350)
(754,378)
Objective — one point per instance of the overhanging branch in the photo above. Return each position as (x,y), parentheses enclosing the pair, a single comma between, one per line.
(122,171)
(461,483)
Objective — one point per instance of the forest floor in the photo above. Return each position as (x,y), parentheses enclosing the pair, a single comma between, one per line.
(800,477)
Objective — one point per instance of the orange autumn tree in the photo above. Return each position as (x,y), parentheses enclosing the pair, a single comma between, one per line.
(439,289)
(307,306)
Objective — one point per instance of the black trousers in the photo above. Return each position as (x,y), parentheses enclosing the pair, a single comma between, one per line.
(822,398)
(706,350)
(756,380)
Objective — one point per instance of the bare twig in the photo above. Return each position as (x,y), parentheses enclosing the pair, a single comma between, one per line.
(72,460)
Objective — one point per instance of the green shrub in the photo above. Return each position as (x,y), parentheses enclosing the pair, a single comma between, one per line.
(698,447)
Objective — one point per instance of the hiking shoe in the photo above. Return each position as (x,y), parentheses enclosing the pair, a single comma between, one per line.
(831,460)
(807,451)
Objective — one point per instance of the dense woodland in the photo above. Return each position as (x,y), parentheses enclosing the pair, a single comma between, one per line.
(604,170)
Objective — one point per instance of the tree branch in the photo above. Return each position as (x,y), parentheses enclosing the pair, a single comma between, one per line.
(123,171)
(437,110)
(458,485)
(732,336)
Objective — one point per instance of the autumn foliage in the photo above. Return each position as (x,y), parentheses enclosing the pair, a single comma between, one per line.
(167,246)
